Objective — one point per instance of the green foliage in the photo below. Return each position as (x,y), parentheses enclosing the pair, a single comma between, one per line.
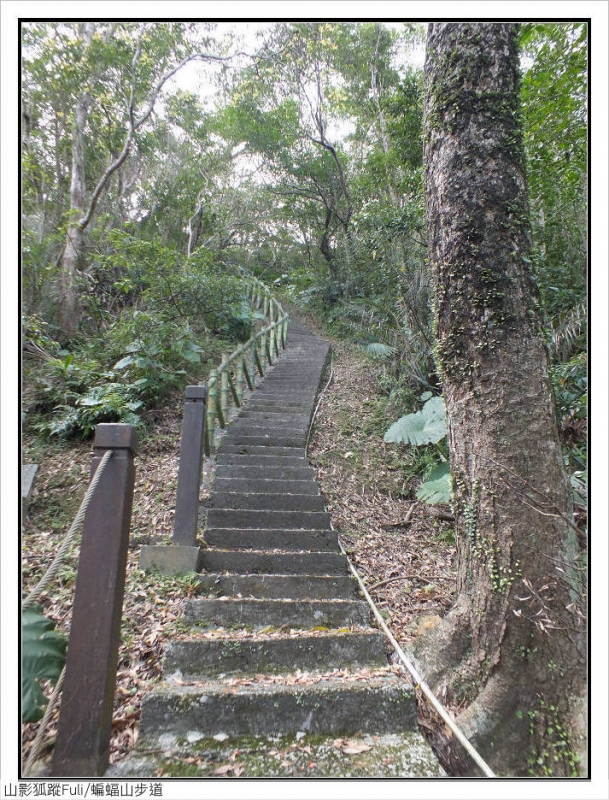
(76,391)
(111,402)
(198,290)
(554,102)
(379,350)
(570,382)
(426,426)
(437,488)
(43,657)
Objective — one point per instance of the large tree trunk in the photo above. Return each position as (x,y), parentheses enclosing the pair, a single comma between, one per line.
(511,652)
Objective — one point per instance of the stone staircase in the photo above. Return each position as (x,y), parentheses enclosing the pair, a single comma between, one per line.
(279,644)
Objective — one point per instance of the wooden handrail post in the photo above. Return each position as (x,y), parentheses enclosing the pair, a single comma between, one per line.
(85,721)
(240,377)
(189,473)
(224,388)
(212,405)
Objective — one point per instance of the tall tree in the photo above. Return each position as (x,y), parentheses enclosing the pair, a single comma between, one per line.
(511,651)
(73,245)
(111,76)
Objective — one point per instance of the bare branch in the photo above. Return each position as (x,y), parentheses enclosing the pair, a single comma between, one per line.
(135,124)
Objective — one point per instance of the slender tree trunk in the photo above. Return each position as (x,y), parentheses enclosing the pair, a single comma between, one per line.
(512,649)
(69,304)
(69,307)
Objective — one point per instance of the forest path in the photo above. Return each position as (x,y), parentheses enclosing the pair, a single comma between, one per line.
(280,671)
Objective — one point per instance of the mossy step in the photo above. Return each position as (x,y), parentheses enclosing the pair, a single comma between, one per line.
(289,520)
(256,562)
(256,614)
(280,587)
(259,501)
(332,706)
(199,658)
(271,539)
(393,755)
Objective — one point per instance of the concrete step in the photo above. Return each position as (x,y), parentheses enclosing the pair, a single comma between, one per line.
(251,469)
(199,658)
(334,706)
(264,486)
(261,450)
(276,416)
(268,440)
(251,427)
(252,562)
(256,614)
(281,385)
(260,461)
(277,587)
(288,520)
(256,404)
(278,539)
(267,502)
(295,396)
(399,755)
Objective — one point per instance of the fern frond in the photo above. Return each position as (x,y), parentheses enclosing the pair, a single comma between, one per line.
(565,331)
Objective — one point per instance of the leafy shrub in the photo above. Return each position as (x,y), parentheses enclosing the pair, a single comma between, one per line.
(153,353)
(110,402)
(424,427)
(198,290)
(43,658)
(570,381)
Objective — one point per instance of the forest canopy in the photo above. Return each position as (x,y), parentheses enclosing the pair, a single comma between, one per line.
(163,161)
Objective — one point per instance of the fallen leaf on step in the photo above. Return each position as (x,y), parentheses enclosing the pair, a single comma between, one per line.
(353,747)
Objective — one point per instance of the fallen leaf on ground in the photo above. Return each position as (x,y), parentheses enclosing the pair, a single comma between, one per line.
(226,768)
(353,747)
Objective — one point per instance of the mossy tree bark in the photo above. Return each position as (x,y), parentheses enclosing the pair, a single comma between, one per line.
(511,651)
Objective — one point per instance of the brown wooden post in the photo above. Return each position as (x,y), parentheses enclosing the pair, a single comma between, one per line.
(240,376)
(85,720)
(224,388)
(189,473)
